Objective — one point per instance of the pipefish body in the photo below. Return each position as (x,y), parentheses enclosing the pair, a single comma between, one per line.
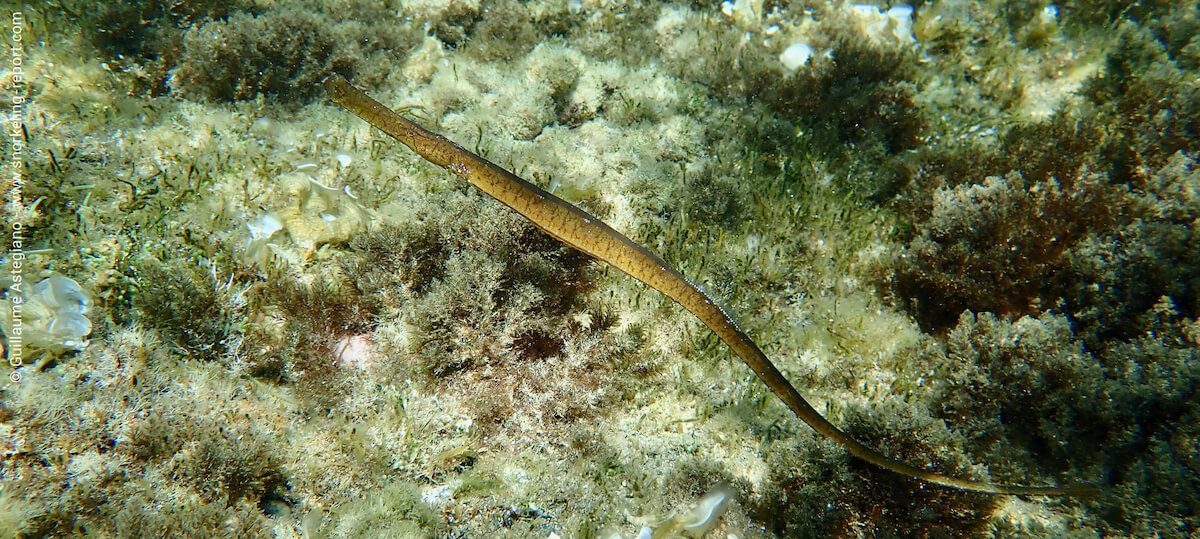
(586,233)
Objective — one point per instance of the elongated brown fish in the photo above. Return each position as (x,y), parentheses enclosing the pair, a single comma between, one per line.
(586,233)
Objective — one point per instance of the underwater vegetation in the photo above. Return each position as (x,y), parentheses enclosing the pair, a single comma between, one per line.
(965,230)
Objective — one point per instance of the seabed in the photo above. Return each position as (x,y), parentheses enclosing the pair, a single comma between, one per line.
(965,231)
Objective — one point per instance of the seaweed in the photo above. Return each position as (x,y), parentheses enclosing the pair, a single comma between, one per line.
(186,304)
(1001,246)
(815,493)
(283,53)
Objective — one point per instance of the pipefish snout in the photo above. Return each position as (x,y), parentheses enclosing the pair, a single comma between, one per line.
(586,233)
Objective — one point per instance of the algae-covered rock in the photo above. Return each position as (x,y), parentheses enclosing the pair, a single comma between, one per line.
(315,214)
(965,231)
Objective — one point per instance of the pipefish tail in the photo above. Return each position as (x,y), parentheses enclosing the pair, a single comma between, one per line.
(586,233)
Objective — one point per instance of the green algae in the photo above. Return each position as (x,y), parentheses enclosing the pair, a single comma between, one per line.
(345,365)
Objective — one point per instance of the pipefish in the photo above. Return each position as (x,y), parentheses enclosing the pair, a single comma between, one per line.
(582,231)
